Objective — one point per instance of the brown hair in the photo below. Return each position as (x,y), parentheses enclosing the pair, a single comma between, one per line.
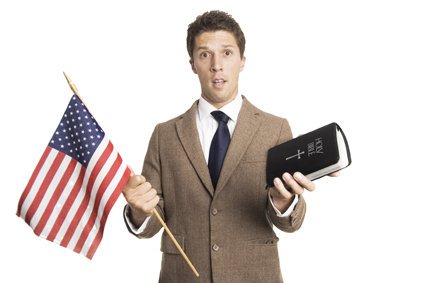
(214,21)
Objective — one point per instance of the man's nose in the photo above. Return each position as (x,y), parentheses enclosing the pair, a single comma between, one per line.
(216,64)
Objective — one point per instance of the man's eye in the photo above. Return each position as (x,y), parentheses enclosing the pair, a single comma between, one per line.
(204,55)
(227,52)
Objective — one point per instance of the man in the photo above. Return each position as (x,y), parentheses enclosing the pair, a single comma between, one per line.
(220,213)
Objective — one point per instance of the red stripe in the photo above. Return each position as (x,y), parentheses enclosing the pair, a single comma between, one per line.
(55,197)
(67,205)
(32,179)
(113,198)
(84,203)
(102,188)
(44,185)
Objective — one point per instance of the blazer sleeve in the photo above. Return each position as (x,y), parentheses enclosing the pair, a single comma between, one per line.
(294,221)
(152,172)
(289,223)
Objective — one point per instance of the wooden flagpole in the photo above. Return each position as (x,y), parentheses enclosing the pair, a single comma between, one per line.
(175,242)
(75,91)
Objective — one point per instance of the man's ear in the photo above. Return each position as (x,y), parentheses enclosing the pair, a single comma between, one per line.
(193,66)
(242,64)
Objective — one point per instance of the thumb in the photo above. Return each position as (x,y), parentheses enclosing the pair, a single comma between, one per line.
(131,169)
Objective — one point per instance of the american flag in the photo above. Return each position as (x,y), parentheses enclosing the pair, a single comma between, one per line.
(75,184)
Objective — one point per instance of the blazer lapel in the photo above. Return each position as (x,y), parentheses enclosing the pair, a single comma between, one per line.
(188,134)
(249,121)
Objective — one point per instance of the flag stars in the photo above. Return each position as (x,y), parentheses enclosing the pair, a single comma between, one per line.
(78,133)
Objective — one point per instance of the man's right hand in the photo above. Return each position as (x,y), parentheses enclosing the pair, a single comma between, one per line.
(141,198)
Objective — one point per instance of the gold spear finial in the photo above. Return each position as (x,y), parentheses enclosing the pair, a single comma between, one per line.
(74,88)
(71,84)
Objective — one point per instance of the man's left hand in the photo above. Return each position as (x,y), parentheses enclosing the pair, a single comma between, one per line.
(283,194)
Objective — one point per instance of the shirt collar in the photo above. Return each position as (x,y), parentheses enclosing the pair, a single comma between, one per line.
(231,109)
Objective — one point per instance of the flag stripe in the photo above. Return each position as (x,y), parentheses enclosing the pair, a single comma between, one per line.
(55,196)
(32,179)
(108,207)
(109,191)
(50,189)
(80,192)
(43,188)
(94,191)
(32,193)
(102,188)
(67,206)
(85,202)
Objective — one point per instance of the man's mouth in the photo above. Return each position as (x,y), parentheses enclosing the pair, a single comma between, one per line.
(218,82)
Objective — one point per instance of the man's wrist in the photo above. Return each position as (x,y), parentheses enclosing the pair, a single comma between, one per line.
(136,218)
(288,211)
(281,204)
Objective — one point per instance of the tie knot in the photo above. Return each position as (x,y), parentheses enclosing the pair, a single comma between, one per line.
(220,116)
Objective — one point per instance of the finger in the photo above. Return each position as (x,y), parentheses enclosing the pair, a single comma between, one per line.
(280,188)
(131,170)
(140,197)
(147,206)
(304,182)
(150,205)
(292,184)
(334,174)
(135,181)
(150,195)
(132,184)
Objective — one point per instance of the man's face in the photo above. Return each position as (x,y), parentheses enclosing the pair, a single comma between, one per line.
(217,62)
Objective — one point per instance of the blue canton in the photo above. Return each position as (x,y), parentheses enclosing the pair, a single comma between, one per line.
(78,134)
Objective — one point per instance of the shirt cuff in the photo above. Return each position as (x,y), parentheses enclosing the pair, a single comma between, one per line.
(288,211)
(133,228)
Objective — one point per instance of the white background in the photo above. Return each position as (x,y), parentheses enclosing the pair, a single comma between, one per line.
(359,63)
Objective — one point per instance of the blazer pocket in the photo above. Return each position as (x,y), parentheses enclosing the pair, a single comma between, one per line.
(167,245)
(263,242)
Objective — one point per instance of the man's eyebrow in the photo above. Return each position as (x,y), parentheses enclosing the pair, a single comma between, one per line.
(229,46)
(223,46)
(202,48)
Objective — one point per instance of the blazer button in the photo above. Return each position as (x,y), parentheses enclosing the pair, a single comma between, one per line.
(214,211)
(215,248)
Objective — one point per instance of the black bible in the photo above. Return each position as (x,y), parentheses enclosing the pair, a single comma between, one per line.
(315,154)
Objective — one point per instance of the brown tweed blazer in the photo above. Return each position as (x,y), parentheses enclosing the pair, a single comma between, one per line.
(228,232)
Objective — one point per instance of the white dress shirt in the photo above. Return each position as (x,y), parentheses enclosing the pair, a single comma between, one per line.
(207,126)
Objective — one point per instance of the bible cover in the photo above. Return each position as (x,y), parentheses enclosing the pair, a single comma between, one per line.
(315,154)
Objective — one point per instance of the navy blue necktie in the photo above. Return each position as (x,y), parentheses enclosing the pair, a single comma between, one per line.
(219,145)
